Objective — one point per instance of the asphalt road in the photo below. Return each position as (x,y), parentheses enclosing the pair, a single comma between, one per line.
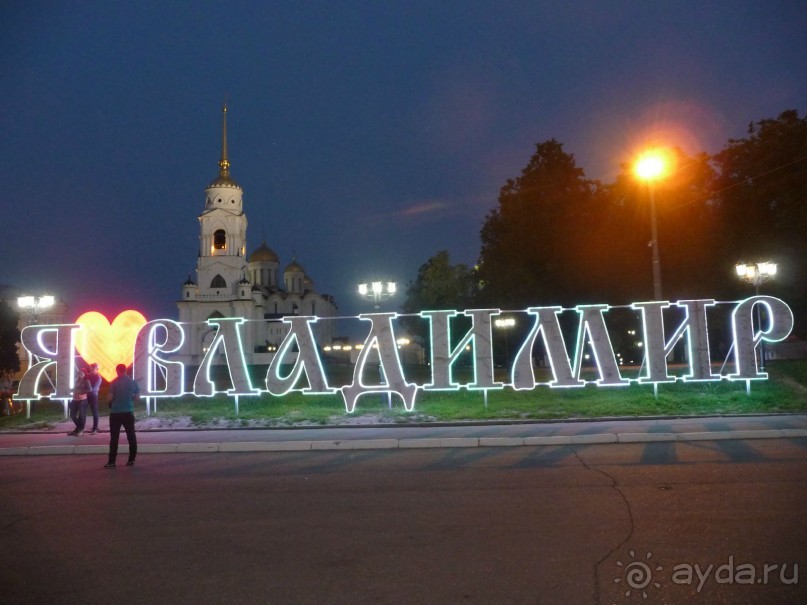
(672,522)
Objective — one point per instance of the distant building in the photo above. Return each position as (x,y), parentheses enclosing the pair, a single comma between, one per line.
(231,284)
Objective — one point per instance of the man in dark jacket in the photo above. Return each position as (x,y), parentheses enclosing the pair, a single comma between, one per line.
(122,393)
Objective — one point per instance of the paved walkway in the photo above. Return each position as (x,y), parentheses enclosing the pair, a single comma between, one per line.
(464,435)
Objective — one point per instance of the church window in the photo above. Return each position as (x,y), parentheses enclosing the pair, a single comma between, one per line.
(218,282)
(219,240)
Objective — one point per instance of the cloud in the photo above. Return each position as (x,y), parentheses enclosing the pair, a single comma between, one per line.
(424,207)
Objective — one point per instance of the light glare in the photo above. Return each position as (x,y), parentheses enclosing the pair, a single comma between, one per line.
(651,165)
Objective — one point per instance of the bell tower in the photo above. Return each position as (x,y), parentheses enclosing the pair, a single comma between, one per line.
(223,231)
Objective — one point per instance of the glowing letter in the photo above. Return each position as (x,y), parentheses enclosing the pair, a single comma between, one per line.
(592,323)
(307,361)
(657,349)
(442,357)
(382,336)
(700,363)
(229,336)
(780,323)
(148,364)
(546,322)
(59,355)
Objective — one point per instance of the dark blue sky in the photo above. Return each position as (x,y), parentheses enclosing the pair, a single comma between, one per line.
(366,135)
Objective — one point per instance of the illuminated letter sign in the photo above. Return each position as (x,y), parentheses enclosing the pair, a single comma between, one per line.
(228,337)
(307,361)
(151,368)
(746,340)
(381,337)
(443,357)
(51,350)
(548,325)
(657,350)
(52,347)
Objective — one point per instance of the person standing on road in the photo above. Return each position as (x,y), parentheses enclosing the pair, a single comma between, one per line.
(92,397)
(6,393)
(122,394)
(78,406)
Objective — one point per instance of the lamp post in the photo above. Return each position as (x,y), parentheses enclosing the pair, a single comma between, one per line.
(34,304)
(651,166)
(377,291)
(505,324)
(757,274)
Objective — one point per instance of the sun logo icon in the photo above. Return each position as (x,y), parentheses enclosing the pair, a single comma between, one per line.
(637,574)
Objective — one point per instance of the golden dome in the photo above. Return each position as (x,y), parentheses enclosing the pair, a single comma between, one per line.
(294,266)
(264,254)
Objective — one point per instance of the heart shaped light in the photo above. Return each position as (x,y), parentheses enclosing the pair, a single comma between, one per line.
(98,341)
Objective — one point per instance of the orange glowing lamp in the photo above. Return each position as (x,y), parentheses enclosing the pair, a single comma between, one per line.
(653,164)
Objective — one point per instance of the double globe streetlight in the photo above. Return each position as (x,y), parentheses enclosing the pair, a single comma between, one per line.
(34,304)
(757,274)
(377,291)
(505,324)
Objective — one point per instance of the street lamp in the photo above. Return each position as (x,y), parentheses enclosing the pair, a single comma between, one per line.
(651,166)
(378,291)
(757,274)
(505,324)
(34,304)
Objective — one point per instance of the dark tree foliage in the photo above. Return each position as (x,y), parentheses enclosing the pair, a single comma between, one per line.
(558,238)
(439,285)
(9,337)
(762,203)
(537,244)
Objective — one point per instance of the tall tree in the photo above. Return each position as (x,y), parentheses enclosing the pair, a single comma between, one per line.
(439,285)
(762,201)
(534,247)
(9,337)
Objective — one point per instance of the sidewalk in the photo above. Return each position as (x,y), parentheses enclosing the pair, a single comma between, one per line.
(454,435)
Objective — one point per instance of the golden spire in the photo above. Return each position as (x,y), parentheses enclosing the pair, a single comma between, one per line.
(224,163)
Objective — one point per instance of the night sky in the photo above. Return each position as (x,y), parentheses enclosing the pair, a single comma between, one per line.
(367,136)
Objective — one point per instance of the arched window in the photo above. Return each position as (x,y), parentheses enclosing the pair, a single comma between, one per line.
(219,240)
(218,282)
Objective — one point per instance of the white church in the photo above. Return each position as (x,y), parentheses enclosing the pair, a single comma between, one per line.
(231,284)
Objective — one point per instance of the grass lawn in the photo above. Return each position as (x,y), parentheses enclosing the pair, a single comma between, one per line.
(785,391)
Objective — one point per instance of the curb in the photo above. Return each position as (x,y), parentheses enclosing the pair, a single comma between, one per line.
(412,443)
